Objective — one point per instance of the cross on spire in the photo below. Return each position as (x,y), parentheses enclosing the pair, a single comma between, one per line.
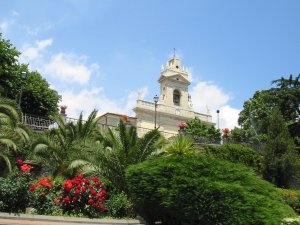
(174,52)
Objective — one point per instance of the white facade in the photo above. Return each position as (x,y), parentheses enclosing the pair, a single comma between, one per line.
(174,104)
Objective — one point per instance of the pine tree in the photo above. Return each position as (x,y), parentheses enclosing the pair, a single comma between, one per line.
(280,160)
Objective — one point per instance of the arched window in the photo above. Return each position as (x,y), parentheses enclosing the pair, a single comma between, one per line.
(176,97)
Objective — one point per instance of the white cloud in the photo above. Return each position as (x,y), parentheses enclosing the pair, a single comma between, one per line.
(70,68)
(4,25)
(88,99)
(228,117)
(206,95)
(32,31)
(132,98)
(30,53)
(35,31)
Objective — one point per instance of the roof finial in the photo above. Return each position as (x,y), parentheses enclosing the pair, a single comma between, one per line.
(174,52)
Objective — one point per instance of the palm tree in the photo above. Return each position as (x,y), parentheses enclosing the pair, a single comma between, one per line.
(119,148)
(13,135)
(64,148)
(287,83)
(180,146)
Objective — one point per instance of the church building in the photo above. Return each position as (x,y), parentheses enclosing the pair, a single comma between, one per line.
(171,107)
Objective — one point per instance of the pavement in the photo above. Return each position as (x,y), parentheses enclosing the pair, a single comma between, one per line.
(30,219)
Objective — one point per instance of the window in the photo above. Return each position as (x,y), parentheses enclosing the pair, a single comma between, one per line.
(176,97)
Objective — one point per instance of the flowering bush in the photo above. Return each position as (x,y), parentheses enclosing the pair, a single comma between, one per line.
(14,191)
(82,196)
(43,196)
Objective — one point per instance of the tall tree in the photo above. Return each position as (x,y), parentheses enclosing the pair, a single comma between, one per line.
(286,96)
(36,95)
(280,163)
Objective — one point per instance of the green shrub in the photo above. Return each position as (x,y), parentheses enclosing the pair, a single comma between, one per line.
(118,205)
(196,189)
(235,153)
(14,193)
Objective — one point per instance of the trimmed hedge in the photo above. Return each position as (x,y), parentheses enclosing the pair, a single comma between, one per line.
(235,153)
(197,189)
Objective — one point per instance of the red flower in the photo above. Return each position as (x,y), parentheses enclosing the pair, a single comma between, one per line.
(90,201)
(80,176)
(100,199)
(57,200)
(95,179)
(181,125)
(93,192)
(95,205)
(26,167)
(20,162)
(67,185)
(102,207)
(32,187)
(43,194)
(49,179)
(83,189)
(103,192)
(77,192)
(74,199)
(226,132)
(98,184)
(45,183)
(67,200)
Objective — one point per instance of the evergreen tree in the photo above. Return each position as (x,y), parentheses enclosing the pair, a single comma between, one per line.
(280,160)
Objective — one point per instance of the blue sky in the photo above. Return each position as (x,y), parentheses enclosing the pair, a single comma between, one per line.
(100,54)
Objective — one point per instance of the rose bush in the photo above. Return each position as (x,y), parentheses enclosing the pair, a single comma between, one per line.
(82,196)
(43,192)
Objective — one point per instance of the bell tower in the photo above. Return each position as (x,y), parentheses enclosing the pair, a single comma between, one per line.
(174,82)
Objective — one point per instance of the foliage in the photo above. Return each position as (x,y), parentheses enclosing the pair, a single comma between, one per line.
(180,146)
(14,194)
(10,78)
(280,162)
(235,153)
(37,97)
(118,205)
(292,197)
(120,148)
(203,132)
(64,149)
(14,137)
(196,189)
(286,96)
(238,136)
